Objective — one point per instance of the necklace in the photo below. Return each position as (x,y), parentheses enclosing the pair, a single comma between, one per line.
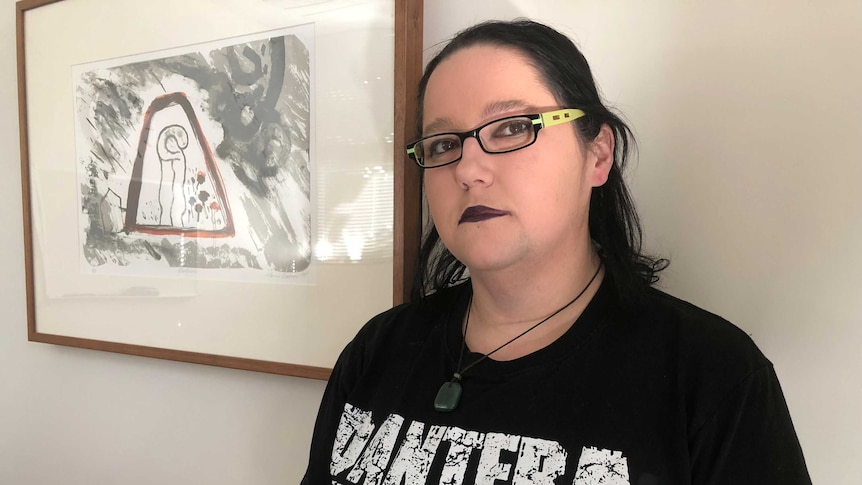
(449,394)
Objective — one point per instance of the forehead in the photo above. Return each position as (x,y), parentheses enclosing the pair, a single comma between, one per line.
(480,82)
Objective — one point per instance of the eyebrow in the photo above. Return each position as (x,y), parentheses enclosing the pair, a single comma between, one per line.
(493,108)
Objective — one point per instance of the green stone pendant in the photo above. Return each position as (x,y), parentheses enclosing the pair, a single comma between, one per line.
(448,397)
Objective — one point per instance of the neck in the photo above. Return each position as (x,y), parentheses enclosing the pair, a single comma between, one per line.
(508,302)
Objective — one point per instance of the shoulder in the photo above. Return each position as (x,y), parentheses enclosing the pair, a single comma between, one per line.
(713,361)
(738,425)
(416,316)
(404,326)
(701,336)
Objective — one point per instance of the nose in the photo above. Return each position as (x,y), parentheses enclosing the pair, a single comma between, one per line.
(475,167)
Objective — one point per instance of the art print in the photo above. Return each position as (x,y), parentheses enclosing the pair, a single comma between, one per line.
(198,160)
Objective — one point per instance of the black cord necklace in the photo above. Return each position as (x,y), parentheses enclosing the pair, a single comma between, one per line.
(449,394)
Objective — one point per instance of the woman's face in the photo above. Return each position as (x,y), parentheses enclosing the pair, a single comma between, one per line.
(516,210)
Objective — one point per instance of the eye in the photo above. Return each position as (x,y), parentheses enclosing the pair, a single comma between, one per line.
(513,127)
(438,147)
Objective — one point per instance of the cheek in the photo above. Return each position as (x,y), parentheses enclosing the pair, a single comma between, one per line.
(435,188)
(560,193)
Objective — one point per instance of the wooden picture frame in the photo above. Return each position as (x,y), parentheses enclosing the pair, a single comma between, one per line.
(294,325)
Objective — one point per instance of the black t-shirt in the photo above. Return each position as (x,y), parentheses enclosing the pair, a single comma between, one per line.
(658,392)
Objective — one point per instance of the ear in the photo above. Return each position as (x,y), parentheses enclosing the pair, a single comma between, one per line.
(601,156)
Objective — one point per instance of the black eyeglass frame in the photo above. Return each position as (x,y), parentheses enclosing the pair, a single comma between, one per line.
(539,121)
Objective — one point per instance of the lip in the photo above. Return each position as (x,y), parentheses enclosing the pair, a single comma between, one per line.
(479,213)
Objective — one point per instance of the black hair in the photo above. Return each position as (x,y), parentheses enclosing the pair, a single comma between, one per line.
(613,221)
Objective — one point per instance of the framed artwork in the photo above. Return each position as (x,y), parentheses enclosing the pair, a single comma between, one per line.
(217,181)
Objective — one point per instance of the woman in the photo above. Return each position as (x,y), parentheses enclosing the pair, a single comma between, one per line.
(555,361)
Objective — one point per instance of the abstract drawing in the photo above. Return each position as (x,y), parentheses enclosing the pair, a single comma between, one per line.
(198,159)
(181,202)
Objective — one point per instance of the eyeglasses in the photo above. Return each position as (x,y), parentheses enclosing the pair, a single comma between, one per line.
(499,136)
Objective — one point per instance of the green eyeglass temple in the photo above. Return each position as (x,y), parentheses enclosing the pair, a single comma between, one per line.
(558,117)
(541,120)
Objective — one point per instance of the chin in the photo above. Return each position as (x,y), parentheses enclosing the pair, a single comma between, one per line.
(486,263)
(488,254)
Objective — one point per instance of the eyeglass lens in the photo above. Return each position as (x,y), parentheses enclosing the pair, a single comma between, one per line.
(496,137)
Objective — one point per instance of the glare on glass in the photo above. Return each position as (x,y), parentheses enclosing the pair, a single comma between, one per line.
(499,136)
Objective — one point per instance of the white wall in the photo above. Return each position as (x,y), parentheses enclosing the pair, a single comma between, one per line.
(749,128)
(749,121)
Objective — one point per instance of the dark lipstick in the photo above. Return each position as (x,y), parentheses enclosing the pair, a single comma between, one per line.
(479,213)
